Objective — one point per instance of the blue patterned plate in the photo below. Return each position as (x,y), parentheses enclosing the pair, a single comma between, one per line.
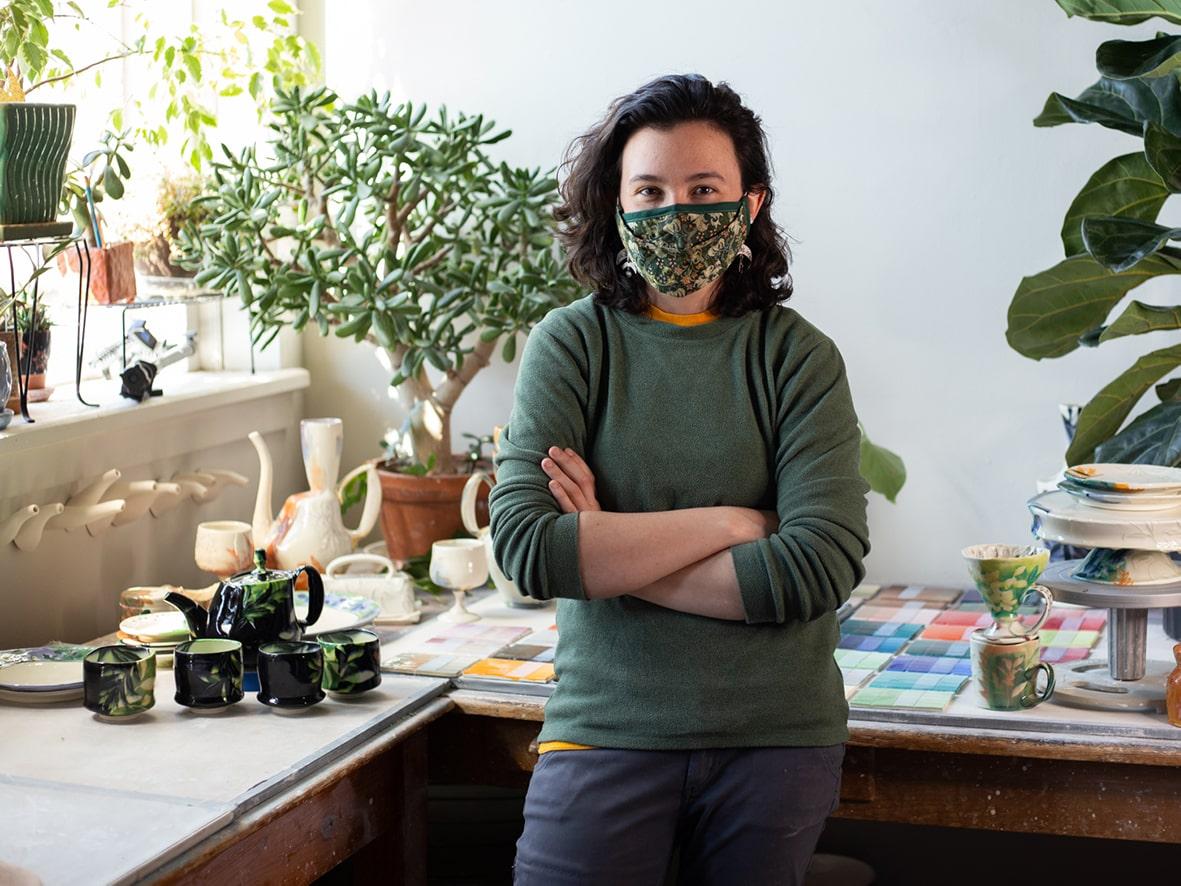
(342,612)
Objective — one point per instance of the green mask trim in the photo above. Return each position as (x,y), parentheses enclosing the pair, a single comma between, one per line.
(682,207)
(681,248)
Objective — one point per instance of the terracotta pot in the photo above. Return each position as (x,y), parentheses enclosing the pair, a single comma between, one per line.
(418,511)
(112,272)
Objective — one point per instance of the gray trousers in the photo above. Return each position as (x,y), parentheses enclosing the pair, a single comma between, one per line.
(749,816)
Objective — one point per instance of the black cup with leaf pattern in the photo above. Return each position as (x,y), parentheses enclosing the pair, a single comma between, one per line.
(119,681)
(352,661)
(290,673)
(208,674)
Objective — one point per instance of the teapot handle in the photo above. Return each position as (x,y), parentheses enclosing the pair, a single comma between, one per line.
(315,595)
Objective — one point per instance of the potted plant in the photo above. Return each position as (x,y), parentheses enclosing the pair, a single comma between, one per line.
(156,241)
(101,174)
(375,221)
(34,328)
(1112,242)
(34,137)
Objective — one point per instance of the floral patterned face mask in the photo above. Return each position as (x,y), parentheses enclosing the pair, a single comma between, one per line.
(681,248)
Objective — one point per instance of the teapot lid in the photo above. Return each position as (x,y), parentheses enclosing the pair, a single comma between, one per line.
(259,573)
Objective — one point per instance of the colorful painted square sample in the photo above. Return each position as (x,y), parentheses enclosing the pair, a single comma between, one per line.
(912,680)
(510,669)
(964,619)
(947,632)
(871,643)
(880,629)
(1070,639)
(911,614)
(1064,655)
(916,699)
(1078,620)
(425,664)
(853,677)
(853,658)
(865,590)
(941,648)
(939,598)
(525,651)
(925,664)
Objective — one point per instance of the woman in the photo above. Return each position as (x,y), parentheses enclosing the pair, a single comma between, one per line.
(680,470)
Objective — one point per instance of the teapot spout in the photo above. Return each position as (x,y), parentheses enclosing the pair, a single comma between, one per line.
(264,517)
(192,612)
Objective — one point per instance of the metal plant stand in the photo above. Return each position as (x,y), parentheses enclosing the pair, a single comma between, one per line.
(53,234)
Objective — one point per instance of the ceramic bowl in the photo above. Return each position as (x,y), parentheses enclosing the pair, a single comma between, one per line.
(290,673)
(118,682)
(1126,478)
(1127,567)
(208,674)
(352,661)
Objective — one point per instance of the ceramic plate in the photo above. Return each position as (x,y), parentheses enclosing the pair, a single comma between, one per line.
(341,612)
(1060,516)
(1142,501)
(1127,478)
(157,627)
(53,696)
(41,676)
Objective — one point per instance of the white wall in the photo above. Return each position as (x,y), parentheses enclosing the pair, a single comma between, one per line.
(908,172)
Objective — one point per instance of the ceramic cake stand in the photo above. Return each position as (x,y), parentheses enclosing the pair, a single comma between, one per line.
(1127,680)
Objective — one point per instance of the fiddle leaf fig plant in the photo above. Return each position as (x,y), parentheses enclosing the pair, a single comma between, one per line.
(390,224)
(1112,242)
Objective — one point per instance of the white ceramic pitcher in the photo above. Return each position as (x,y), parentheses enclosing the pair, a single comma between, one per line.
(508,590)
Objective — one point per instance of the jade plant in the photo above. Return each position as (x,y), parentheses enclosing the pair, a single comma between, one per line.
(1113,243)
(387,224)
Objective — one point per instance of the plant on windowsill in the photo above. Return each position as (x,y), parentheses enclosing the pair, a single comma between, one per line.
(373,221)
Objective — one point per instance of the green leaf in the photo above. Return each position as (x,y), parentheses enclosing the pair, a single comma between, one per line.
(1169,390)
(1126,187)
(1051,309)
(509,351)
(881,468)
(1102,417)
(1139,318)
(1153,437)
(111,183)
(1121,243)
(281,7)
(1125,59)
(1123,12)
(1125,105)
(1163,150)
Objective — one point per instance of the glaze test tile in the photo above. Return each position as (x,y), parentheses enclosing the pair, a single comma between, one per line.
(880,629)
(927,700)
(928,665)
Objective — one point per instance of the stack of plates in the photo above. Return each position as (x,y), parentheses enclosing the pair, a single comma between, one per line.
(1125,487)
(161,631)
(41,682)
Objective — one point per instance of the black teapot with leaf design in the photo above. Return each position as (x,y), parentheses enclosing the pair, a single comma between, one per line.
(254,607)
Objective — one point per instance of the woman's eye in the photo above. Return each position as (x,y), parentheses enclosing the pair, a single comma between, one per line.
(705,188)
(642,191)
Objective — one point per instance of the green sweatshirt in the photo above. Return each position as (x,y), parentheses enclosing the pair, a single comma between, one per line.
(752,411)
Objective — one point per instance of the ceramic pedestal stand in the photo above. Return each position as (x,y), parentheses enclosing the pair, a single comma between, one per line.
(1127,680)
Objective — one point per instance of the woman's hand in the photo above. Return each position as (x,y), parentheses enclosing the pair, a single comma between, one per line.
(571,482)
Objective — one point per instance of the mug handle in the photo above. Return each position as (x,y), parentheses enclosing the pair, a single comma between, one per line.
(315,595)
(1033,697)
(348,559)
(1048,600)
(467,507)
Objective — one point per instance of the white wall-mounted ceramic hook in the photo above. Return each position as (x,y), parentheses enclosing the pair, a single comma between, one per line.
(10,527)
(29,535)
(188,485)
(96,518)
(221,478)
(90,495)
(139,496)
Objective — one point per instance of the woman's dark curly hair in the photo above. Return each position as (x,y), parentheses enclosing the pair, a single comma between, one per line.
(589,191)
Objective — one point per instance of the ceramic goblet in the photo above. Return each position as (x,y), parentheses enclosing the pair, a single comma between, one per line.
(461,565)
(224,547)
(1005,575)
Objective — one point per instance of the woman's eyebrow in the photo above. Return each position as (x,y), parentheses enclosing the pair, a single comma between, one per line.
(697,176)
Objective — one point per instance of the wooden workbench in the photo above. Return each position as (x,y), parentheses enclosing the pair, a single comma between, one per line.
(1005,780)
